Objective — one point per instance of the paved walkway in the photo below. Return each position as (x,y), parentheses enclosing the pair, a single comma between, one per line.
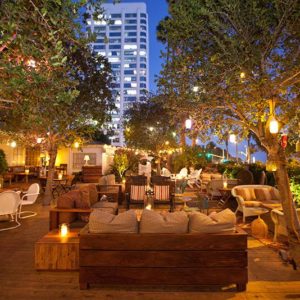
(269,277)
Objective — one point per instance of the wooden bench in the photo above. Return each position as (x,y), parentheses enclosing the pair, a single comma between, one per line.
(163,259)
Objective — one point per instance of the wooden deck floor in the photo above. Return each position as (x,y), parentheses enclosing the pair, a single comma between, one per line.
(269,277)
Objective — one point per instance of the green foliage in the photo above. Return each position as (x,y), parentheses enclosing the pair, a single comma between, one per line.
(124,160)
(190,156)
(3,162)
(147,127)
(295,189)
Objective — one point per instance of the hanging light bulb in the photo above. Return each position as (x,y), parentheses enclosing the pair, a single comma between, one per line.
(76,145)
(232,138)
(274,126)
(188,123)
(13,144)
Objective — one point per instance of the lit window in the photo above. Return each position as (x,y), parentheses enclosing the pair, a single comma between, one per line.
(102,22)
(143,53)
(126,65)
(118,22)
(128,79)
(133,84)
(130,47)
(114,59)
(131,92)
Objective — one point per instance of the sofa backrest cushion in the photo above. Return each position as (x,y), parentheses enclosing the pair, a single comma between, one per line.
(103,222)
(247,194)
(201,223)
(68,200)
(89,195)
(224,216)
(155,222)
(263,194)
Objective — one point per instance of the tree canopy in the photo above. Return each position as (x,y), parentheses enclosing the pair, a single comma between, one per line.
(52,85)
(242,59)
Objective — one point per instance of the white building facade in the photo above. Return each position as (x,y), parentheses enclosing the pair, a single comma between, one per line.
(124,40)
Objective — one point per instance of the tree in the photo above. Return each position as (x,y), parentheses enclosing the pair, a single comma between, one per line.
(245,56)
(56,88)
(147,127)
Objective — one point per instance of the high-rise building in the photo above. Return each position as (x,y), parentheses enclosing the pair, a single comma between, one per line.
(123,39)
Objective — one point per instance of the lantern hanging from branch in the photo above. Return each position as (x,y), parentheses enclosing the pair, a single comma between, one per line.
(188,123)
(273,123)
(271,165)
(284,141)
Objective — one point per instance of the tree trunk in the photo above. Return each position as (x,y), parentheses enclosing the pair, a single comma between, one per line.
(158,167)
(182,134)
(52,151)
(289,209)
(227,153)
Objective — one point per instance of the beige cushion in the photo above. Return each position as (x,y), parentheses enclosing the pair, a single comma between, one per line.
(68,200)
(247,194)
(154,222)
(224,216)
(102,222)
(89,195)
(263,194)
(111,179)
(252,203)
(111,206)
(201,223)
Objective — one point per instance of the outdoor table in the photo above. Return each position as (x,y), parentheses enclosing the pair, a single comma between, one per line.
(226,195)
(112,192)
(26,175)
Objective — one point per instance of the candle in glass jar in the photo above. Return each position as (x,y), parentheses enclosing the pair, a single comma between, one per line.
(64,230)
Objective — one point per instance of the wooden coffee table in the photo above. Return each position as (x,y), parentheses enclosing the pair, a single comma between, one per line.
(53,252)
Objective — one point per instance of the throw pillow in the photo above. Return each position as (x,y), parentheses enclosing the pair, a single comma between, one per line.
(201,223)
(68,200)
(154,222)
(224,216)
(103,222)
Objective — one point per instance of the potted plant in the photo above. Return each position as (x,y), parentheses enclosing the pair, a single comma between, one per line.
(3,167)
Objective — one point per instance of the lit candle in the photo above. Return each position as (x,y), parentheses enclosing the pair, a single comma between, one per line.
(225,184)
(60,175)
(64,230)
(149,207)
(27,171)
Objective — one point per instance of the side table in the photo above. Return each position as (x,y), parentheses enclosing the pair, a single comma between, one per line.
(53,252)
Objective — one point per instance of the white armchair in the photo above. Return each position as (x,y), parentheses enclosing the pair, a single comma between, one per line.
(277,217)
(250,198)
(9,205)
(29,198)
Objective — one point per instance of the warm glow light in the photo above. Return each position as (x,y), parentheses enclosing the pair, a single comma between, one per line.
(167,143)
(76,145)
(13,144)
(243,75)
(188,123)
(298,146)
(86,159)
(271,166)
(27,171)
(149,207)
(64,230)
(174,133)
(232,138)
(60,176)
(31,63)
(274,126)
(195,89)
(151,128)
(124,181)
(253,159)
(225,184)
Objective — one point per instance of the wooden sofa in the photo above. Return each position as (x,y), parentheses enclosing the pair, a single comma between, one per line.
(75,206)
(163,259)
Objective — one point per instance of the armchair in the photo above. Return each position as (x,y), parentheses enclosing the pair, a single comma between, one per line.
(29,198)
(9,205)
(135,190)
(164,189)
